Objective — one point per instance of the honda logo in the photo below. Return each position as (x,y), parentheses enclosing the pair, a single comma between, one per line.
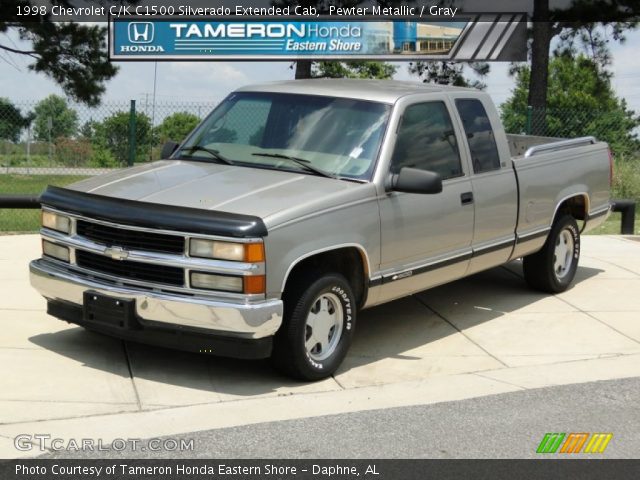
(116,253)
(141,32)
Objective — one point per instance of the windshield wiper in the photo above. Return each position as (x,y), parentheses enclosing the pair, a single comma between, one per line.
(306,164)
(214,153)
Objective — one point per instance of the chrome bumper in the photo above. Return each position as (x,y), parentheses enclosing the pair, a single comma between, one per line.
(245,320)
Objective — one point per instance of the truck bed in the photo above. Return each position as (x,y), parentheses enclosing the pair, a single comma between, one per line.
(551,170)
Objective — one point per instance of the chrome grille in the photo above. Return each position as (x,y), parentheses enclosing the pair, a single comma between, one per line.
(131,270)
(130,239)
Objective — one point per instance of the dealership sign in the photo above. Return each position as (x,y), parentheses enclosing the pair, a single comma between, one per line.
(180,39)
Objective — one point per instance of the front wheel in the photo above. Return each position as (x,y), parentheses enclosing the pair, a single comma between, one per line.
(318,325)
(553,268)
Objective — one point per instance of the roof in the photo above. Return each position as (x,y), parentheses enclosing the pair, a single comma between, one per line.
(387,91)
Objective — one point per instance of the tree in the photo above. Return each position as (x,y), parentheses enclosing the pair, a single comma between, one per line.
(549,23)
(112,134)
(450,73)
(176,127)
(353,69)
(11,121)
(55,111)
(71,53)
(87,130)
(580,101)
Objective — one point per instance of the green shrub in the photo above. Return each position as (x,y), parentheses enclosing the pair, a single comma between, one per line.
(626,179)
(20,160)
(72,153)
(103,158)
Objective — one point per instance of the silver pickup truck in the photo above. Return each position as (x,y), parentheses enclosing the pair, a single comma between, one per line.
(295,205)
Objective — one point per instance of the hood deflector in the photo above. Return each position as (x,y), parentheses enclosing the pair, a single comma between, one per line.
(153,215)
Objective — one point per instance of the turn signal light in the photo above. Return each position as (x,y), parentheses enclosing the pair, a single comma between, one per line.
(254,252)
(255,284)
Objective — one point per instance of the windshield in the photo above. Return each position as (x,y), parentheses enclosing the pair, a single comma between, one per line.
(334,137)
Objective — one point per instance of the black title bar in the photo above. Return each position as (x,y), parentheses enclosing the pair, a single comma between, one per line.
(104,10)
(122,469)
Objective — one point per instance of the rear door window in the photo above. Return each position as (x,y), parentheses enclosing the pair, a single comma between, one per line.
(482,142)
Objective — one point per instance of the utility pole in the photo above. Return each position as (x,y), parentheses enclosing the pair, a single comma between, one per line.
(49,127)
(153,109)
(28,149)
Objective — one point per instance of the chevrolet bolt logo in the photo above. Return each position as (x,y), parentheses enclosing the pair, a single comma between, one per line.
(141,32)
(116,253)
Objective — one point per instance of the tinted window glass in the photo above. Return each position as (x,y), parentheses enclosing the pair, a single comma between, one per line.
(482,143)
(341,136)
(426,141)
(243,123)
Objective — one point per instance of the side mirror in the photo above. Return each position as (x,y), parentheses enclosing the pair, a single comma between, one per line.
(414,180)
(168,149)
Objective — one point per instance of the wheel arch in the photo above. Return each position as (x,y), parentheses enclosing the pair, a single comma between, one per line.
(575,204)
(350,260)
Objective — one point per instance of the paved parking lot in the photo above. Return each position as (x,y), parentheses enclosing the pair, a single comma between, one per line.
(483,335)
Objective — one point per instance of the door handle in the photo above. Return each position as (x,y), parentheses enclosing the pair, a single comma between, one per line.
(466,198)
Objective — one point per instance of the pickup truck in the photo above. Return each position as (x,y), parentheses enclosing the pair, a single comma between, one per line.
(295,205)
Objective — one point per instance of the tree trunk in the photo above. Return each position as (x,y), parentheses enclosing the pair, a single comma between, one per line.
(542,35)
(303,69)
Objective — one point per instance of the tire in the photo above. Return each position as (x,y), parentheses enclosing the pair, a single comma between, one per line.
(317,329)
(553,268)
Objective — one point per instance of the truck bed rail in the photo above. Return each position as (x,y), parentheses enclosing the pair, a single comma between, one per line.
(559,145)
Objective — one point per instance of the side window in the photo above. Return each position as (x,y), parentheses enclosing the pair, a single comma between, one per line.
(482,143)
(426,140)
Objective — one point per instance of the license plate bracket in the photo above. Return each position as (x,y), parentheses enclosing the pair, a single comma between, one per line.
(107,310)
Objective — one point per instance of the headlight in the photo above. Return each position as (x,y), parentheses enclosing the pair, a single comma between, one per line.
(210,281)
(56,222)
(239,252)
(54,250)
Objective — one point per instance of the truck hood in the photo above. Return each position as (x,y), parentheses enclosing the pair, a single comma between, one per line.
(275,196)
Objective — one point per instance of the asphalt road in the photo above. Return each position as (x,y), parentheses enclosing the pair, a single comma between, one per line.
(501,426)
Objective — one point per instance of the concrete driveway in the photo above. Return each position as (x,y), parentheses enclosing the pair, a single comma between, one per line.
(484,335)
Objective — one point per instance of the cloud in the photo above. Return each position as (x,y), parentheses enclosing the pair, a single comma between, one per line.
(199,80)
(218,71)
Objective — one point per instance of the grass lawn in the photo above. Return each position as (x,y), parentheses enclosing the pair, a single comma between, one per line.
(18,220)
(612,225)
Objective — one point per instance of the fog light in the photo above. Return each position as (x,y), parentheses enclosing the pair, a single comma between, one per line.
(210,281)
(56,222)
(51,249)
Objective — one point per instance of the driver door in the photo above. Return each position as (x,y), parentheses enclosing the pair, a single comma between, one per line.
(426,238)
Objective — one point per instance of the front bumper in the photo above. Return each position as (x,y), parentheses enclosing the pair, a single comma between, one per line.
(160,311)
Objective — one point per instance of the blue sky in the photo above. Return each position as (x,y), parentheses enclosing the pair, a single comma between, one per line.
(212,81)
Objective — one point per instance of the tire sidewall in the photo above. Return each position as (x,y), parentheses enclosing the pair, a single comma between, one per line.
(565,223)
(337,285)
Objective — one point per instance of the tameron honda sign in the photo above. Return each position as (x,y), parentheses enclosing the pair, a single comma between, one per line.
(178,38)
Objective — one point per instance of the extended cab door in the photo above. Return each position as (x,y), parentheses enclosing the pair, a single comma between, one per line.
(495,192)
(426,238)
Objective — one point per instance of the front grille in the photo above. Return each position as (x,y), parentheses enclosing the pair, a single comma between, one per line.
(131,239)
(131,270)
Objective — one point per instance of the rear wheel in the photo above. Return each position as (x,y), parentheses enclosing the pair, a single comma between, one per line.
(553,268)
(318,325)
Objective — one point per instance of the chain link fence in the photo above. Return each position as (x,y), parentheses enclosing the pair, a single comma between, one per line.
(53,142)
(619,130)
